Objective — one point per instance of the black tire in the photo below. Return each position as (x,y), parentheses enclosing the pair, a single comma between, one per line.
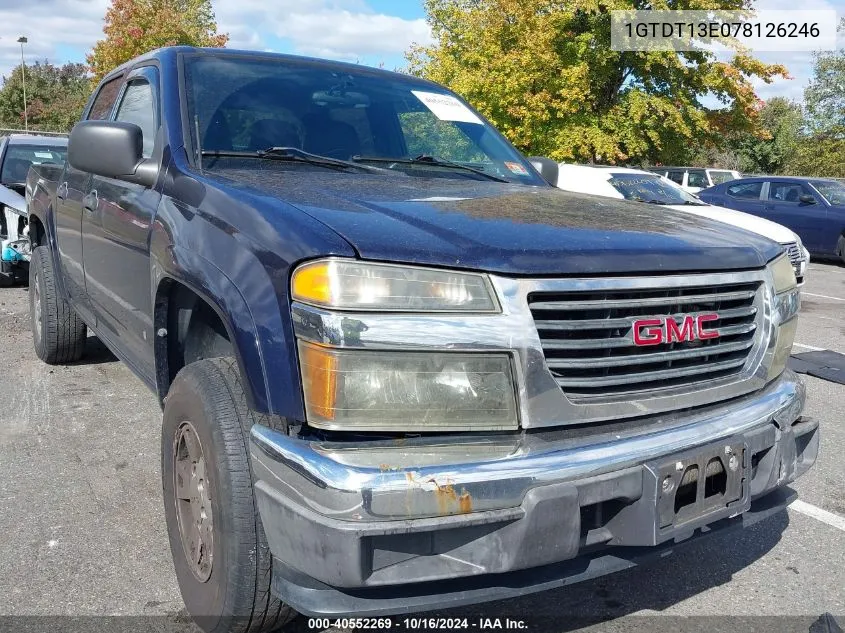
(57,331)
(230,590)
(840,248)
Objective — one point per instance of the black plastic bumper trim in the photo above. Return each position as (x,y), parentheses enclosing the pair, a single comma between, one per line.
(313,598)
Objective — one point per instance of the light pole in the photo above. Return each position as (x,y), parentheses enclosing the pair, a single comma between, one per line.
(22,40)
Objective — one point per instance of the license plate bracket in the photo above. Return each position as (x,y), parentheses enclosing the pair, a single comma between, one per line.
(661,515)
(700,486)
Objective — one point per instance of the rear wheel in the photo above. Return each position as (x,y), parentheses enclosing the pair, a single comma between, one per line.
(57,331)
(840,248)
(220,553)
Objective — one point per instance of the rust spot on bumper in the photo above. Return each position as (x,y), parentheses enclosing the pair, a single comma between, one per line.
(449,501)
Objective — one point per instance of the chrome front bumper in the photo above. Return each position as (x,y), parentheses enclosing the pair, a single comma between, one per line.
(383,514)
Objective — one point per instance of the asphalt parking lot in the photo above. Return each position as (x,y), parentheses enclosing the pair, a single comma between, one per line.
(82,527)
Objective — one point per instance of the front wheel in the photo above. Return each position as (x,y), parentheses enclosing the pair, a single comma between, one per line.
(222,560)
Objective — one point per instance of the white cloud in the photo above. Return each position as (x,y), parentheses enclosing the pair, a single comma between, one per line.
(340,29)
(346,34)
(47,24)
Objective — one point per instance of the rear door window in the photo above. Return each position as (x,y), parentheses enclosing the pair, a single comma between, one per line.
(718,176)
(697,178)
(746,190)
(104,101)
(676,176)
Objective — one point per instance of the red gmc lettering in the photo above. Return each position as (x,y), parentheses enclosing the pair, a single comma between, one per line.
(680,334)
(707,334)
(664,331)
(648,332)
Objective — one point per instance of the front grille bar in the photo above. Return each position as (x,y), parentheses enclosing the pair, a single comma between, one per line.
(643,359)
(609,304)
(628,341)
(651,376)
(625,322)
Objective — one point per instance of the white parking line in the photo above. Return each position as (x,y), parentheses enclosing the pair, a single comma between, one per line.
(810,294)
(809,347)
(829,518)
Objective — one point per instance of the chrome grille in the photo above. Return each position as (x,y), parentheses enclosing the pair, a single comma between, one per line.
(587,338)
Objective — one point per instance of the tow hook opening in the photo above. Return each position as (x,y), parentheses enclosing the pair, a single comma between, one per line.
(686,494)
(716,478)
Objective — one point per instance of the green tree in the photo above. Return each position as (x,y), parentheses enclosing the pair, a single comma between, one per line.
(55,95)
(768,152)
(134,27)
(544,73)
(825,96)
(821,155)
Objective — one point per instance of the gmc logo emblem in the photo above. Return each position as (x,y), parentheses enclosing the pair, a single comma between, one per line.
(667,330)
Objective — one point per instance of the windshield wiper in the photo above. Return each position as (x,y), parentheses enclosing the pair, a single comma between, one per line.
(425,159)
(696,204)
(655,201)
(292,154)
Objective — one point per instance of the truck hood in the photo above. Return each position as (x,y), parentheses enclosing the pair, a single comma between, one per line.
(761,226)
(504,228)
(12,199)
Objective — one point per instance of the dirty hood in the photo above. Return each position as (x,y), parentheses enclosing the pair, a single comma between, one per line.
(510,229)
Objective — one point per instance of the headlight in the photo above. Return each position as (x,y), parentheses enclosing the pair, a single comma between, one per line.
(359,390)
(783,348)
(787,304)
(783,274)
(356,285)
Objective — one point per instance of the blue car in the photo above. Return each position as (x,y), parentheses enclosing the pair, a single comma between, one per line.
(813,208)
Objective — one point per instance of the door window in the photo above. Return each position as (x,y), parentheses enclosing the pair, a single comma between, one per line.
(788,192)
(104,102)
(746,191)
(697,178)
(138,107)
(718,176)
(676,176)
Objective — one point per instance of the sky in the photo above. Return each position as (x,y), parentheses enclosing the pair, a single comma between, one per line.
(371,32)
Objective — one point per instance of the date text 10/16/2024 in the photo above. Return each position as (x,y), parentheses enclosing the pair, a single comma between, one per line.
(418,624)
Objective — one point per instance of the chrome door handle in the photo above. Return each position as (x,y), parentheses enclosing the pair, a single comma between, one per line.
(62,191)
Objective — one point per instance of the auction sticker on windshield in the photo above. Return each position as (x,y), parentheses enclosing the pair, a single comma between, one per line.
(516,168)
(447,107)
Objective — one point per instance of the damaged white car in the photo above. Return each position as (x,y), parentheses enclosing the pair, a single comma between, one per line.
(18,152)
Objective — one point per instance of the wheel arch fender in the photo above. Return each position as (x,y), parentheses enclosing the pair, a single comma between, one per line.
(41,213)
(197,274)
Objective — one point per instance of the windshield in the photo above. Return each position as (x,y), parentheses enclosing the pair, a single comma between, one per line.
(250,104)
(834,192)
(650,188)
(20,157)
(720,176)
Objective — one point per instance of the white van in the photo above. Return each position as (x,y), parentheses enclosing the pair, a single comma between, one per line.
(694,179)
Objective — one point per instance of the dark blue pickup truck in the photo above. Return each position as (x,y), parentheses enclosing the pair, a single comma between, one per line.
(399,371)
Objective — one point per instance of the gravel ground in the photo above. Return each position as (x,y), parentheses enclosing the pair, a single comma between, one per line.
(83,527)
